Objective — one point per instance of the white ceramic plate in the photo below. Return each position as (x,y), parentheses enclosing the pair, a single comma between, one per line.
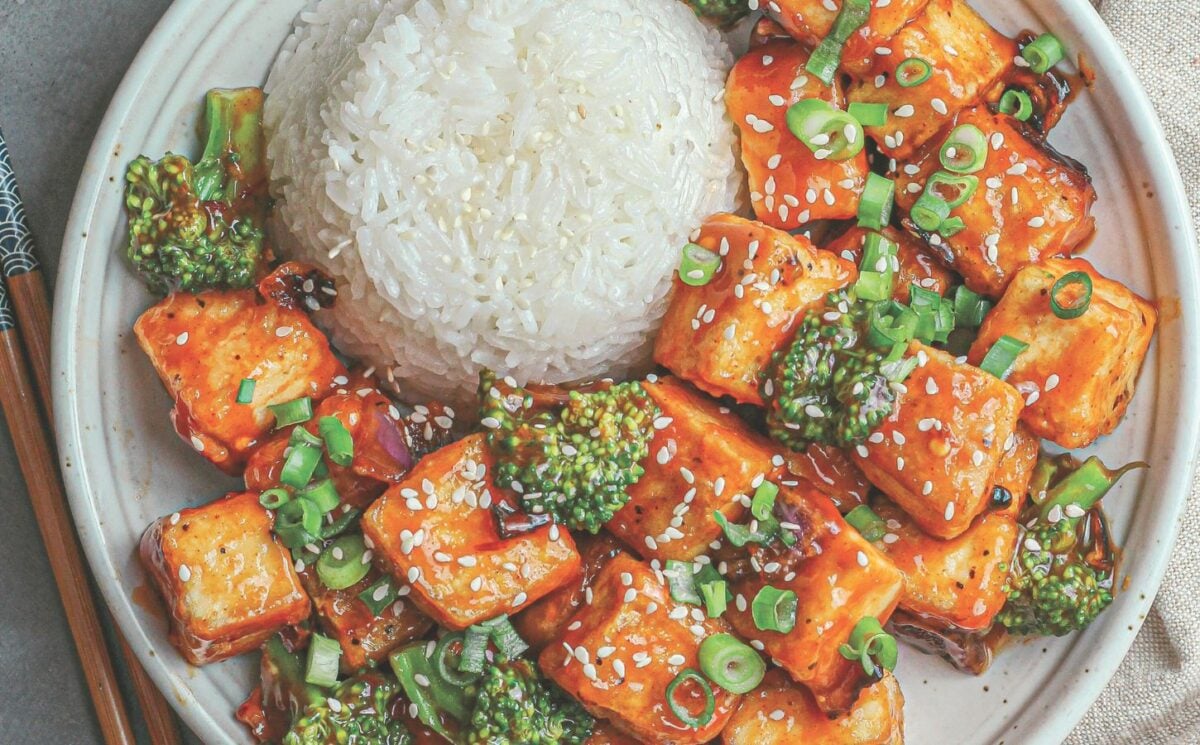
(125,466)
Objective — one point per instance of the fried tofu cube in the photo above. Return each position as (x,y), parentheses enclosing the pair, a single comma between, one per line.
(1031,203)
(966,58)
(634,620)
(789,185)
(1015,470)
(365,638)
(698,464)
(720,336)
(606,734)
(435,532)
(838,577)
(959,582)
(915,265)
(832,472)
(780,712)
(204,345)
(937,452)
(810,21)
(1078,374)
(228,584)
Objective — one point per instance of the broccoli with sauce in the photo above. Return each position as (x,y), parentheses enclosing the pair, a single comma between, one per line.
(515,704)
(197,226)
(1065,568)
(724,12)
(830,386)
(574,463)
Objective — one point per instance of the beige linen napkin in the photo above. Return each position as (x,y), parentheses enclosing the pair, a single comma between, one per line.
(1155,696)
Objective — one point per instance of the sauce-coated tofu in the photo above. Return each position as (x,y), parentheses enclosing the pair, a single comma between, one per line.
(960,581)
(789,185)
(810,21)
(1078,374)
(1031,203)
(698,464)
(365,638)
(1015,469)
(832,472)
(435,531)
(780,712)
(620,653)
(915,265)
(937,453)
(966,56)
(228,584)
(604,733)
(204,345)
(838,577)
(720,336)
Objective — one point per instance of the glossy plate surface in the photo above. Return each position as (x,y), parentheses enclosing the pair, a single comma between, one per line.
(125,466)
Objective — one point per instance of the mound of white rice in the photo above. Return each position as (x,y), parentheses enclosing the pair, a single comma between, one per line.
(501,183)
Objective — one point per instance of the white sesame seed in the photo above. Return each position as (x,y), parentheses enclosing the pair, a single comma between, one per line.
(676,659)
(184,572)
(520,599)
(949,514)
(862,559)
(927,488)
(283,331)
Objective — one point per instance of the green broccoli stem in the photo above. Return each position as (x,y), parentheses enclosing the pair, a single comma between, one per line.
(1083,487)
(233,152)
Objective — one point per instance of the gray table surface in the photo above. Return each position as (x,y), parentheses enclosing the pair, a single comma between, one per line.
(60,62)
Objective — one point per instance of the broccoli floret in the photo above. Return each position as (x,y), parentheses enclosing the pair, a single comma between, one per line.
(200,226)
(358,711)
(724,12)
(515,705)
(829,385)
(576,462)
(1064,571)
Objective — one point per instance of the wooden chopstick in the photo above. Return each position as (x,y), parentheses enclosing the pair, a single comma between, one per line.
(23,275)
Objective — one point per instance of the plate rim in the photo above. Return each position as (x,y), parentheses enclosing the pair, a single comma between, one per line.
(1173,210)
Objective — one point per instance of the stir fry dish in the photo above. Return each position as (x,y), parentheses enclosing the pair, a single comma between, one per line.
(839,451)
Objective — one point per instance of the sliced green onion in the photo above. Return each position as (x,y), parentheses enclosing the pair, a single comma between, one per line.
(951,226)
(474,649)
(1078,306)
(446,660)
(952,189)
(1044,52)
(323,657)
(869,114)
(299,465)
(891,323)
(506,638)
(301,436)
(965,150)
(731,664)
(970,308)
(929,212)
(379,595)
(338,442)
(426,690)
(877,268)
(873,286)
(1017,104)
(737,535)
(292,412)
(321,493)
(275,498)
(298,523)
(935,316)
(340,525)
(912,72)
(774,610)
(341,564)
(875,207)
(697,265)
(871,646)
(1000,359)
(245,393)
(695,721)
(870,525)
(826,130)
(764,500)
(898,369)
(715,598)
(681,582)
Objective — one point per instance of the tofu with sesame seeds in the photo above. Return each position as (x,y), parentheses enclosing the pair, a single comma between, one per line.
(435,531)
(1015,470)
(699,463)
(810,21)
(832,472)
(937,453)
(627,646)
(719,337)
(1078,374)
(365,638)
(790,185)
(780,712)
(915,264)
(966,58)
(959,582)
(838,578)
(204,345)
(227,583)
(1030,204)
